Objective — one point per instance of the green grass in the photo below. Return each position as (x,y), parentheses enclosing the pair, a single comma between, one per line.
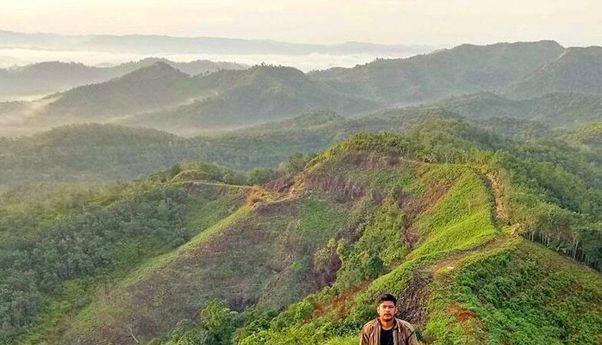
(460,220)
(522,294)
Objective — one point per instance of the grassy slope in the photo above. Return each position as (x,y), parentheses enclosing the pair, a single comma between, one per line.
(476,283)
(257,255)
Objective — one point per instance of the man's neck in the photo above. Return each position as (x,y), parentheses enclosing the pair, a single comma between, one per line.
(387,325)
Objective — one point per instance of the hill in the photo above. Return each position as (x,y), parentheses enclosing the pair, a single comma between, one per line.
(575,70)
(562,80)
(193,255)
(88,153)
(138,152)
(152,87)
(555,110)
(54,76)
(95,152)
(423,78)
(259,94)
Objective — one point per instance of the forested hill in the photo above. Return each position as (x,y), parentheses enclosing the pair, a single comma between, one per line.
(196,255)
(518,70)
(148,88)
(575,70)
(93,152)
(161,96)
(463,69)
(256,95)
(53,76)
(554,110)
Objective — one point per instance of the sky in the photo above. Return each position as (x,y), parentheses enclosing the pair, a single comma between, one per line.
(428,22)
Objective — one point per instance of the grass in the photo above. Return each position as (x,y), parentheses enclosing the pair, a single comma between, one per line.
(523,294)
(460,220)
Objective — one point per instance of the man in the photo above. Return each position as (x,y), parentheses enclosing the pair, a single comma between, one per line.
(386,329)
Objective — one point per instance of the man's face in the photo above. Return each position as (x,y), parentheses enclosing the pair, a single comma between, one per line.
(386,310)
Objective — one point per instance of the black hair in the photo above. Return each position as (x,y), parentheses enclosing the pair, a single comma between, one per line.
(386,297)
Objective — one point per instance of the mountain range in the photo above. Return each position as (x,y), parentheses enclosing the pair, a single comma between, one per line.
(153,44)
(264,205)
(161,96)
(54,76)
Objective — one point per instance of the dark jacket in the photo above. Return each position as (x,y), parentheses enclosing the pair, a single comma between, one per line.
(403,333)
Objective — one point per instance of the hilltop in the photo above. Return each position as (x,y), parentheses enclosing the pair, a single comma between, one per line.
(155,86)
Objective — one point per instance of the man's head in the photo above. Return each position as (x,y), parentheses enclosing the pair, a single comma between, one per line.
(386,307)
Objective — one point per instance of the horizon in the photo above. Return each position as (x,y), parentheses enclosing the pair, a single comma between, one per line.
(432,23)
(337,43)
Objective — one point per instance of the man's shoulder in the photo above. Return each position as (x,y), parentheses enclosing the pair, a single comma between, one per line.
(405,325)
(369,326)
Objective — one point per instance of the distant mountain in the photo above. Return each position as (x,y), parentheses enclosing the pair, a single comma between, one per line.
(260,94)
(152,87)
(46,77)
(463,69)
(575,70)
(192,68)
(168,99)
(153,44)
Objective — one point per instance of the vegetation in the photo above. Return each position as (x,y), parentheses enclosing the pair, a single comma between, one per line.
(71,238)
(488,229)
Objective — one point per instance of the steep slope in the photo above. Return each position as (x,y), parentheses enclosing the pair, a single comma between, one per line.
(460,279)
(575,70)
(463,69)
(259,94)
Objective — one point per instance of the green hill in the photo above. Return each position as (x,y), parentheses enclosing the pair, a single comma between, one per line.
(109,152)
(94,152)
(191,255)
(575,70)
(88,153)
(152,87)
(422,78)
(54,76)
(259,94)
